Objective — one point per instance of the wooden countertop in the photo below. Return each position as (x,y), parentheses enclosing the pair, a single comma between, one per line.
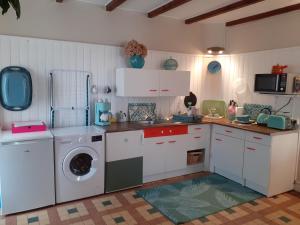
(250,127)
(131,126)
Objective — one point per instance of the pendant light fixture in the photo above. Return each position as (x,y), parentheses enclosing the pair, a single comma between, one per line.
(215,51)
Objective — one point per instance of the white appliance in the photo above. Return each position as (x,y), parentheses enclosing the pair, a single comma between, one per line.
(26,171)
(79,162)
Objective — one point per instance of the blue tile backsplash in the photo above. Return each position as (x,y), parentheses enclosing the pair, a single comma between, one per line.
(141,111)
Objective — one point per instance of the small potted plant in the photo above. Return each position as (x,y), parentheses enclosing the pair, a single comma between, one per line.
(136,53)
(5,5)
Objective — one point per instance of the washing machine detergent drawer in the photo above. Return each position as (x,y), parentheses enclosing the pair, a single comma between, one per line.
(123,174)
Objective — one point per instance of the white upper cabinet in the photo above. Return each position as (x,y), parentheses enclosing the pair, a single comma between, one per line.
(137,82)
(152,83)
(174,83)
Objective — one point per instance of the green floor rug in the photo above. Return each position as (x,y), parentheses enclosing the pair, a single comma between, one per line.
(191,199)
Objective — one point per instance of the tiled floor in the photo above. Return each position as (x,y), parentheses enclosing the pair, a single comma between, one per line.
(125,208)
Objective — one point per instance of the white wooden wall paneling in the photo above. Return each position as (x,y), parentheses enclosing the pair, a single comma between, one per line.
(41,56)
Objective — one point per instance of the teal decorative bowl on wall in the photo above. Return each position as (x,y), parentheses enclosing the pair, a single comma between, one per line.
(170,64)
(136,61)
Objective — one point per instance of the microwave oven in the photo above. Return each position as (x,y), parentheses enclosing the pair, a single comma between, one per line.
(274,83)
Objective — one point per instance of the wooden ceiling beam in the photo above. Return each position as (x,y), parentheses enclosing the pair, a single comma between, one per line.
(222,10)
(264,15)
(168,6)
(113,4)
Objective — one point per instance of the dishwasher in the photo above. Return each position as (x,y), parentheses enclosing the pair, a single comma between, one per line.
(124,160)
(26,171)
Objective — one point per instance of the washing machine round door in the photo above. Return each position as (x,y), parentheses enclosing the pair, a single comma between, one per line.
(80,164)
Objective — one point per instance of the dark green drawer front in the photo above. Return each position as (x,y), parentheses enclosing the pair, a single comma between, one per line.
(123,174)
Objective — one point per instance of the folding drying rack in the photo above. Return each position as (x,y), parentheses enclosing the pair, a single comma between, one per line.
(86,75)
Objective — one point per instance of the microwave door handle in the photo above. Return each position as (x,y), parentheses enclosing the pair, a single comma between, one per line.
(277,83)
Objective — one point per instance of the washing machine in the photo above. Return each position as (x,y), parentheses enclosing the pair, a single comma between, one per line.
(79,162)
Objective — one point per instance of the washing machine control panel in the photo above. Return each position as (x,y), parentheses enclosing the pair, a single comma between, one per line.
(96,138)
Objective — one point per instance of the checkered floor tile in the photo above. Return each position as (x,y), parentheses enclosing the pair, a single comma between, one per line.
(86,222)
(122,217)
(126,208)
(132,197)
(106,203)
(72,211)
(34,218)
(148,212)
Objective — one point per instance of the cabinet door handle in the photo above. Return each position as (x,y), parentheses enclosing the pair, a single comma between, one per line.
(257,138)
(152,90)
(21,142)
(251,149)
(165,90)
(217,139)
(228,131)
(159,143)
(172,142)
(197,137)
(198,128)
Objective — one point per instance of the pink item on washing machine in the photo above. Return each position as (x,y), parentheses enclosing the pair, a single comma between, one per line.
(28,126)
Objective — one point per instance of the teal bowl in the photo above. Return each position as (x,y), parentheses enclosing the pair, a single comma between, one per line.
(243,118)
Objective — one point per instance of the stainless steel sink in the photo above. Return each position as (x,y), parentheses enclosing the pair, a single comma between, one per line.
(154,122)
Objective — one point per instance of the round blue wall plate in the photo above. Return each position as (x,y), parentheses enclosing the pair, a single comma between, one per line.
(214,67)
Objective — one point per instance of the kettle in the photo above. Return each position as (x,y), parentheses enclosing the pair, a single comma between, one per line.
(122,117)
(263,117)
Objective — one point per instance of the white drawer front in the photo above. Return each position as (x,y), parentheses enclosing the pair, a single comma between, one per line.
(203,129)
(228,131)
(197,141)
(123,145)
(258,138)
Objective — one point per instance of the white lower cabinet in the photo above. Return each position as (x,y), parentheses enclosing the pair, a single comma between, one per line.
(175,154)
(264,163)
(228,156)
(163,154)
(261,162)
(153,152)
(167,156)
(256,166)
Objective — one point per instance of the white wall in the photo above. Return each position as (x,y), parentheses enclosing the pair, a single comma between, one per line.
(213,35)
(41,56)
(275,32)
(89,23)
